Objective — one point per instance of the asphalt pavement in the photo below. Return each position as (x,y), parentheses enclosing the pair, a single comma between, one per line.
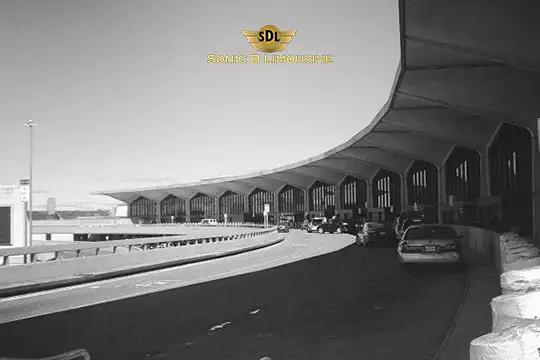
(320,297)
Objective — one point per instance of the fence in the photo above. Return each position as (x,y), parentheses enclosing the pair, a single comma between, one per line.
(516,313)
(140,244)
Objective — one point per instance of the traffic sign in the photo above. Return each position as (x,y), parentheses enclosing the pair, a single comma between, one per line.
(25,197)
(25,189)
(266,208)
(24,182)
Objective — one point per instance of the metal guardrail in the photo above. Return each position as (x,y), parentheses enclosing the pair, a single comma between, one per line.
(78,354)
(131,244)
(53,223)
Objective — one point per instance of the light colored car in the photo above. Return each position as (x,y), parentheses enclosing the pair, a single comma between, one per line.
(208,222)
(432,243)
(315,225)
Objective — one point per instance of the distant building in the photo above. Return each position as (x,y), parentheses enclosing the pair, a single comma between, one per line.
(51,205)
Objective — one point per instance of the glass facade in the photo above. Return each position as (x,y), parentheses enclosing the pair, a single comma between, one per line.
(173,206)
(510,168)
(463,175)
(387,190)
(143,208)
(291,200)
(257,199)
(231,203)
(353,193)
(423,188)
(202,206)
(322,196)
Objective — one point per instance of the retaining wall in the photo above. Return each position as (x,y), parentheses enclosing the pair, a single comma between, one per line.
(516,312)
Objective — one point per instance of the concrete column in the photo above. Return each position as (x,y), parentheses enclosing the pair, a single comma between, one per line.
(404,193)
(188,211)
(217,207)
(484,174)
(441,182)
(276,204)
(158,211)
(337,194)
(246,203)
(306,200)
(536,188)
(369,194)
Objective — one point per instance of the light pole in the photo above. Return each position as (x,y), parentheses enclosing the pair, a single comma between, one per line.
(30,124)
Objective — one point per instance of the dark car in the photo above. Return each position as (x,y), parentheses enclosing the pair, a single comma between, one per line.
(332,226)
(283,227)
(403,221)
(374,232)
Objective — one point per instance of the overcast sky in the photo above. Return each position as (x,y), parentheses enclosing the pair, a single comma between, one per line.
(124,97)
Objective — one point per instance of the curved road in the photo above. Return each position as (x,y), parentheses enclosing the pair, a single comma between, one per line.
(352,303)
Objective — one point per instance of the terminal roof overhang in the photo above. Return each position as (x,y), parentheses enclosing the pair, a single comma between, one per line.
(466,67)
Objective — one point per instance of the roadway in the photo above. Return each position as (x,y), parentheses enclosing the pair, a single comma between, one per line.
(350,303)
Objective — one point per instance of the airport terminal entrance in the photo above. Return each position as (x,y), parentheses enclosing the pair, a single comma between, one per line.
(5,225)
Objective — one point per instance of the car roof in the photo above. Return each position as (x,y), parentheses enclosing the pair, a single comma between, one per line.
(429,225)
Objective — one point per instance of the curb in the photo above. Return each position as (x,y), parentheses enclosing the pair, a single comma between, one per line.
(90,278)
(450,331)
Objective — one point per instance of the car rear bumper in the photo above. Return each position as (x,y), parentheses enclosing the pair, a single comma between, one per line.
(429,258)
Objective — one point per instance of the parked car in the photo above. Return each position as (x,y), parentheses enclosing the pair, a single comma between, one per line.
(403,221)
(208,222)
(314,224)
(283,227)
(373,232)
(430,244)
(332,226)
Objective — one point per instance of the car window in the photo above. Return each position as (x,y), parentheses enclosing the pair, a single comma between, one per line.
(431,232)
(317,221)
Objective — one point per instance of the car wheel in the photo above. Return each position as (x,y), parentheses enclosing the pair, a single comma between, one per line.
(320,230)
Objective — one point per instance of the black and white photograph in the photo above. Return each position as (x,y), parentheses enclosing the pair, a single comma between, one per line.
(269,180)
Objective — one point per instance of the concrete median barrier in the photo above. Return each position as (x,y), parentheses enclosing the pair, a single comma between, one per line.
(45,275)
(517,343)
(516,313)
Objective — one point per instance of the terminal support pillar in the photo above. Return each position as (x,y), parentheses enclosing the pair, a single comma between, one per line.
(306,200)
(246,204)
(441,182)
(276,206)
(188,211)
(484,174)
(404,193)
(158,211)
(337,197)
(369,194)
(216,208)
(536,188)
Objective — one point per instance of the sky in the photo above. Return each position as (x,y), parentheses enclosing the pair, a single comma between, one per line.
(124,97)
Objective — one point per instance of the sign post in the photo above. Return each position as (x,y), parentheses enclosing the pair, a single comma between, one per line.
(25,197)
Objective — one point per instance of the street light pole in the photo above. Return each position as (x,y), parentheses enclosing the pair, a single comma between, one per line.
(30,124)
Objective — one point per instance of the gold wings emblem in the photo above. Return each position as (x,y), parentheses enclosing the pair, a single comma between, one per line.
(285,38)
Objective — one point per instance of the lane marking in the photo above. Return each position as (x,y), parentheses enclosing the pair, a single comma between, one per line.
(254,312)
(55,291)
(220,326)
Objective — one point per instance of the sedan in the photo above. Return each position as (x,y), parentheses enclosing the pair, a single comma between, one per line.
(430,244)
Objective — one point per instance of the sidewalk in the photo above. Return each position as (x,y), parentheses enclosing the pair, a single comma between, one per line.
(475,317)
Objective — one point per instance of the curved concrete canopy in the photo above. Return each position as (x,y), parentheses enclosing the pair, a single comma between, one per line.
(466,66)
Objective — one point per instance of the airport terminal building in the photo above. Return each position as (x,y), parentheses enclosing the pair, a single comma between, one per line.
(456,138)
